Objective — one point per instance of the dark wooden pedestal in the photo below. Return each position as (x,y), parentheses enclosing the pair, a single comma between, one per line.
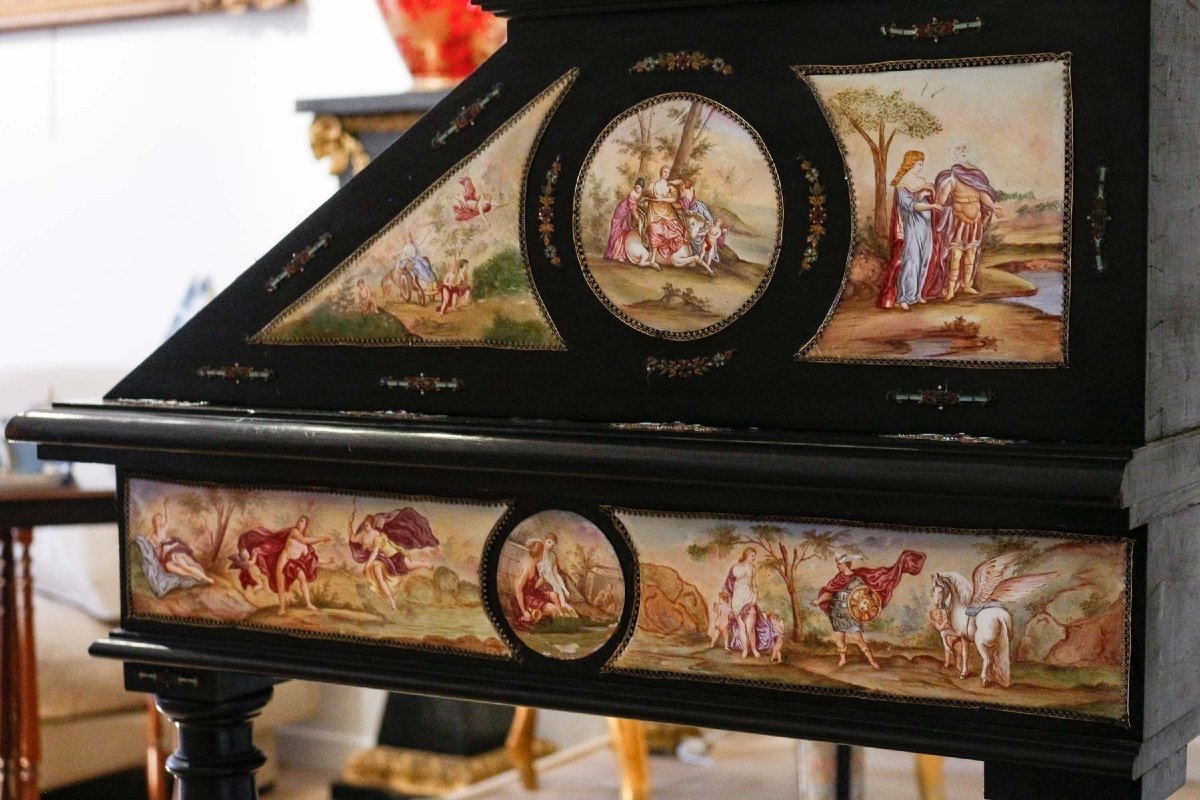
(213,712)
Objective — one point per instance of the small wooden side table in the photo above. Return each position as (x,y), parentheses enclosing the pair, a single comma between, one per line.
(21,508)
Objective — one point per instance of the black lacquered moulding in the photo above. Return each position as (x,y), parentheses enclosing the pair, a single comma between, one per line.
(634,378)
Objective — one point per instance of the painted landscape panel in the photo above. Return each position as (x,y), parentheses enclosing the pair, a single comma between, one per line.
(560,585)
(961,178)
(679,215)
(397,569)
(1009,619)
(450,269)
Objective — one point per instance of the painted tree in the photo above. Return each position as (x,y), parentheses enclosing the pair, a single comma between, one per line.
(785,552)
(686,150)
(639,144)
(223,504)
(877,118)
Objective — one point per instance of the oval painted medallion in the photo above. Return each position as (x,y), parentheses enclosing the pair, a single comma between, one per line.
(560,584)
(678,216)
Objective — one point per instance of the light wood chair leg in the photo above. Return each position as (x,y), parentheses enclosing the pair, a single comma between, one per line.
(931,777)
(633,757)
(29,731)
(520,745)
(156,754)
(10,653)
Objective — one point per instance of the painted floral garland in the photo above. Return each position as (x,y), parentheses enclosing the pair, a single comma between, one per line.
(818,215)
(682,61)
(546,212)
(688,367)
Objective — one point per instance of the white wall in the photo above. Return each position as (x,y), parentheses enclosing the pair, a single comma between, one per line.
(138,154)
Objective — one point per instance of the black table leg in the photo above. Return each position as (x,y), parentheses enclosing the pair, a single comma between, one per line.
(216,759)
(845,777)
(1005,781)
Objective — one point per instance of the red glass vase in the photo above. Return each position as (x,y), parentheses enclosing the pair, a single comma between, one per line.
(442,41)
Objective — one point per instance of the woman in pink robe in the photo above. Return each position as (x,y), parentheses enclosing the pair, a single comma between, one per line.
(623,222)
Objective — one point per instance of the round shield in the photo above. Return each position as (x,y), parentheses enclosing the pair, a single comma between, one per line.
(865,604)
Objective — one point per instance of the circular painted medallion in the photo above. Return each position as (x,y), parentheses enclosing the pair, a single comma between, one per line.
(678,216)
(560,585)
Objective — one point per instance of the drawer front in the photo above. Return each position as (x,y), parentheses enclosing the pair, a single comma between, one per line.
(793,215)
(722,608)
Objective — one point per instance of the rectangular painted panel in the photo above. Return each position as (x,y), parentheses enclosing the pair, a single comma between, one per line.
(368,567)
(960,174)
(1014,620)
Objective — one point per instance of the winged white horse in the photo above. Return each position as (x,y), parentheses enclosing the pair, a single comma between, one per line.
(974,612)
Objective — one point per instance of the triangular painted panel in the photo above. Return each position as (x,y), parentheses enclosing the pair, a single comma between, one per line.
(451,269)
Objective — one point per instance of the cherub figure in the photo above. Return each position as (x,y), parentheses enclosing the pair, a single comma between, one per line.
(470,203)
(714,237)
(777,647)
(722,615)
(364,298)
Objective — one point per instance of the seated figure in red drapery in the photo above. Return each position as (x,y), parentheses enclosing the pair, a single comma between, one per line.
(533,599)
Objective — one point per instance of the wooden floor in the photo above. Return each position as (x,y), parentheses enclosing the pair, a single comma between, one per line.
(744,767)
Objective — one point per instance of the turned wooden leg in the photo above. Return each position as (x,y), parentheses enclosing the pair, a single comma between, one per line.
(520,745)
(931,777)
(633,757)
(30,742)
(10,695)
(156,757)
(212,711)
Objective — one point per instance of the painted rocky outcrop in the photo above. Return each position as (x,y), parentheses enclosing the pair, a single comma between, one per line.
(1083,624)
(669,603)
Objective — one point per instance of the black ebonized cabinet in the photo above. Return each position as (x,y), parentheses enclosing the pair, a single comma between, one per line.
(1092,454)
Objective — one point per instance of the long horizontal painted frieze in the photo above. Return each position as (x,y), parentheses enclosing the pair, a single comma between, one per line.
(1013,619)
(388,568)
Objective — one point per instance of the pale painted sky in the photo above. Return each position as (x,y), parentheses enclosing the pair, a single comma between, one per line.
(1012,116)
(664,540)
(328,513)
(733,144)
(496,171)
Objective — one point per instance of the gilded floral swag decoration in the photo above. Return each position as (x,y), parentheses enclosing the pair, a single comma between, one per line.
(546,212)
(682,61)
(688,367)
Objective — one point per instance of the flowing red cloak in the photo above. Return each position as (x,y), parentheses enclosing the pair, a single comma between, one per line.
(891,276)
(883,580)
(406,528)
(265,547)
(463,208)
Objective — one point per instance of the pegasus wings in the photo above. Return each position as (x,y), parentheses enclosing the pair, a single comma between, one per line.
(1018,588)
(991,574)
